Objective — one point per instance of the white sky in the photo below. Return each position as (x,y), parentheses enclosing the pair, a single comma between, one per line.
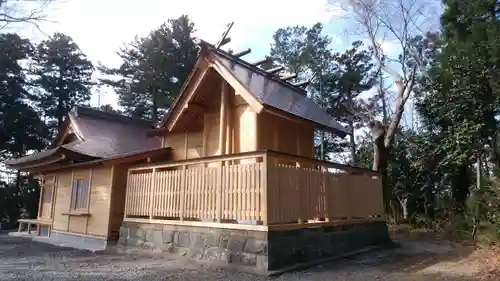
(101,27)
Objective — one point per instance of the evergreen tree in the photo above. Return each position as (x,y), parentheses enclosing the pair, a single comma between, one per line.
(305,51)
(154,68)
(63,78)
(354,75)
(21,128)
(461,106)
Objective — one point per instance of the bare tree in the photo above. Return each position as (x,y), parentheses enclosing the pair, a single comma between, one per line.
(22,12)
(396,22)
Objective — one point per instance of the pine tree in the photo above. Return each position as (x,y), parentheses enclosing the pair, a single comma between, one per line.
(154,68)
(63,78)
(21,128)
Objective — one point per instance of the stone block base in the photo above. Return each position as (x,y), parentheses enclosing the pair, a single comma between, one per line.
(251,250)
(77,241)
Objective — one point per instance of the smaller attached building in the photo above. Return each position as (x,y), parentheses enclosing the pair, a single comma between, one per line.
(83,175)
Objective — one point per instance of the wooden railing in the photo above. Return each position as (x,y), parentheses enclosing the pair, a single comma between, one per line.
(259,188)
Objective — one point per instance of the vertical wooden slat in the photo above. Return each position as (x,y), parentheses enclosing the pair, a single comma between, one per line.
(264,190)
(182,193)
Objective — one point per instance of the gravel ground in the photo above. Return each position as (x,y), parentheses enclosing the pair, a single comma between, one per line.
(23,259)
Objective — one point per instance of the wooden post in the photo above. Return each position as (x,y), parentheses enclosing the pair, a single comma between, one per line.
(185,145)
(183,193)
(222,146)
(151,193)
(223,118)
(40,200)
(264,194)
(298,174)
(53,196)
(88,196)
(70,196)
(229,127)
(52,204)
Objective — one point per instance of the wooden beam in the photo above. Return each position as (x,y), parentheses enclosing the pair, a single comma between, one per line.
(275,70)
(223,117)
(40,200)
(195,107)
(237,86)
(262,61)
(229,125)
(224,42)
(188,95)
(285,78)
(242,53)
(302,84)
(224,38)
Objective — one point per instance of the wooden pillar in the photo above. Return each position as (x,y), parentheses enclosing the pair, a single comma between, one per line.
(40,200)
(223,118)
(229,126)
(222,146)
(185,145)
(152,185)
(89,192)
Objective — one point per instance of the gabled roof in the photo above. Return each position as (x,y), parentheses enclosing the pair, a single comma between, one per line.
(100,135)
(261,90)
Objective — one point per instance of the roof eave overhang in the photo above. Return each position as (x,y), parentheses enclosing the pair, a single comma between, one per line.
(338,132)
(117,160)
(60,155)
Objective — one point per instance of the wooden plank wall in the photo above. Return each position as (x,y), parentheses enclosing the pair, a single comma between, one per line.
(100,201)
(241,133)
(285,135)
(96,223)
(62,200)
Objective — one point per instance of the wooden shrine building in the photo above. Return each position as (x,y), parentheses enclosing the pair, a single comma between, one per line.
(229,174)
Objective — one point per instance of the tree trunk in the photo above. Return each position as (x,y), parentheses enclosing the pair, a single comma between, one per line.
(352,143)
(322,145)
(380,157)
(154,109)
(351,128)
(404,206)
(460,187)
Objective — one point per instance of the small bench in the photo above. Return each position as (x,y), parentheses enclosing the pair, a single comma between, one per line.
(36,222)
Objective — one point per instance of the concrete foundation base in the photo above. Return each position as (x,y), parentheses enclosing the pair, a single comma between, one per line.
(257,251)
(76,241)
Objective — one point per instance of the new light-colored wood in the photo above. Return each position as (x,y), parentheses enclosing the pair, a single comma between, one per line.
(252,191)
(94,218)
(100,201)
(62,200)
(191,90)
(281,134)
(223,118)
(235,84)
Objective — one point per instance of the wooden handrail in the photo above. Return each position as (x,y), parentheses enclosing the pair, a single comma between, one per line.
(256,154)
(202,160)
(297,158)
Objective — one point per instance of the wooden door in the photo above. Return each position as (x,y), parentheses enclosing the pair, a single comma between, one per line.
(45,211)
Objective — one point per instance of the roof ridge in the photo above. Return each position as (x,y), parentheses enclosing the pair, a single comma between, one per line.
(257,69)
(79,111)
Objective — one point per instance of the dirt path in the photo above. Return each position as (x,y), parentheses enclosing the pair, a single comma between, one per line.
(22,259)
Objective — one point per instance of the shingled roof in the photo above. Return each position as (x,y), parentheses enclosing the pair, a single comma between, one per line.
(266,89)
(101,135)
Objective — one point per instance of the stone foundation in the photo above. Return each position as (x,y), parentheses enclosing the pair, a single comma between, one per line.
(77,241)
(258,251)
